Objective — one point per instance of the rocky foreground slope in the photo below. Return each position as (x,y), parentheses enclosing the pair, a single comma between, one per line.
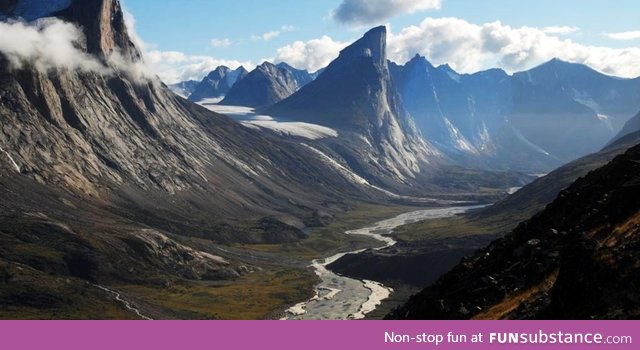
(577,259)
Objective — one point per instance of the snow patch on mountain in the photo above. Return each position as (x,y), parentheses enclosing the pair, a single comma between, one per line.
(248,117)
(306,130)
(460,142)
(455,77)
(527,142)
(584,98)
(486,143)
(212,105)
(11,160)
(344,171)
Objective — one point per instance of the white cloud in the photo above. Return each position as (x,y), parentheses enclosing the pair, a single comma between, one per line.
(561,30)
(51,43)
(632,35)
(130,22)
(273,33)
(267,36)
(221,43)
(166,57)
(311,55)
(47,44)
(364,12)
(469,47)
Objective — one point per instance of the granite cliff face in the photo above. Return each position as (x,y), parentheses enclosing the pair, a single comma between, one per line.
(102,22)
(111,134)
(354,94)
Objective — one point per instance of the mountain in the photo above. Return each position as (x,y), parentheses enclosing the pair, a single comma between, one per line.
(217,83)
(107,177)
(632,126)
(266,85)
(532,121)
(533,197)
(577,259)
(441,106)
(302,76)
(128,142)
(184,88)
(354,95)
(613,99)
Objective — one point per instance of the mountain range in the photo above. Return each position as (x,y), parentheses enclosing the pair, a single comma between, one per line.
(217,83)
(105,174)
(266,85)
(532,121)
(110,178)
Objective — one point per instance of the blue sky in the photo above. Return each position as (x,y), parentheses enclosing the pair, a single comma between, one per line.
(240,28)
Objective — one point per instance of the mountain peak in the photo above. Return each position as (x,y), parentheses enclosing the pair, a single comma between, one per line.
(557,67)
(219,72)
(447,68)
(373,44)
(103,24)
(284,65)
(556,62)
(377,32)
(217,83)
(222,69)
(419,61)
(267,65)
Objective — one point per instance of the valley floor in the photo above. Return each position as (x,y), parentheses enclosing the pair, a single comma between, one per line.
(280,278)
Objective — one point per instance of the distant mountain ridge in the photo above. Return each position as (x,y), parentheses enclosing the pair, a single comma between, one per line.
(266,85)
(217,83)
(531,121)
(184,88)
(632,126)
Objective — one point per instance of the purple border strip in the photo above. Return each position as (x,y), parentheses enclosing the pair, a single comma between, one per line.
(307,335)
